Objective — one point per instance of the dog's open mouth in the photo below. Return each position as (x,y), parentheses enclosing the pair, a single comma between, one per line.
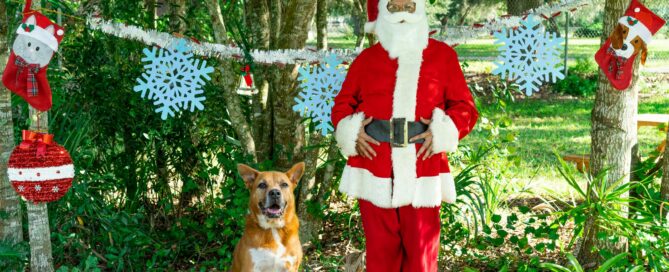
(275,210)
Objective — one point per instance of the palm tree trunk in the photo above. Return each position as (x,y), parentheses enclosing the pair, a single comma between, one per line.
(10,206)
(614,134)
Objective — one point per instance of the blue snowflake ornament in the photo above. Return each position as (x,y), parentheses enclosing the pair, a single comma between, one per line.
(530,56)
(173,79)
(320,84)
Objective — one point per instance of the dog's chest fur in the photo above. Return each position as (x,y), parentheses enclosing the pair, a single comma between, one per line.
(274,260)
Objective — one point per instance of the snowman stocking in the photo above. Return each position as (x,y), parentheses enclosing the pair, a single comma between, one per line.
(25,74)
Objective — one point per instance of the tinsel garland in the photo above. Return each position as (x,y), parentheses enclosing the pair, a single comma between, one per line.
(451,36)
(458,35)
(219,51)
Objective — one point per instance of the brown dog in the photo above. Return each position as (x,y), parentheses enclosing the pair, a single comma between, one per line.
(628,46)
(270,241)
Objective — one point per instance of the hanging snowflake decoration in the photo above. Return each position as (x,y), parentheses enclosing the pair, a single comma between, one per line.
(320,84)
(173,79)
(530,56)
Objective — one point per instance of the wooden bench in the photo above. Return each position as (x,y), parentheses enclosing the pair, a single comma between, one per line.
(582,161)
(643,120)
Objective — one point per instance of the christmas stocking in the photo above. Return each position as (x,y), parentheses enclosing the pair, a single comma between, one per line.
(629,38)
(25,74)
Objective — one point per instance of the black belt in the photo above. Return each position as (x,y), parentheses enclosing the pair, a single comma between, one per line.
(397,131)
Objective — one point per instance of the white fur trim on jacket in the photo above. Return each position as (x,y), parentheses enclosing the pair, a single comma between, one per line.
(347,133)
(404,106)
(445,135)
(369,27)
(429,191)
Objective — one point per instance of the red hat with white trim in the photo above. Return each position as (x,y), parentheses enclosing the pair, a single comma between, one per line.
(372,14)
(641,22)
(39,27)
(374,7)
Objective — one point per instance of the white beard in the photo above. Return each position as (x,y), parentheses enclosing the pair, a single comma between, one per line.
(402,38)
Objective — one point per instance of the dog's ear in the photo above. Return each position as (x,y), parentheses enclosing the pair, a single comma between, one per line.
(617,37)
(644,52)
(248,174)
(296,172)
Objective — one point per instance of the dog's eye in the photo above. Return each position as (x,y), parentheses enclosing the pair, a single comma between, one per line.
(284,185)
(636,41)
(262,185)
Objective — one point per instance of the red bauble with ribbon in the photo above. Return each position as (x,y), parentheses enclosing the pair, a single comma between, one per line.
(39,169)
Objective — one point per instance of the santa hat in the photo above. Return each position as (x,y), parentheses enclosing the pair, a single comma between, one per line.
(372,14)
(39,27)
(641,21)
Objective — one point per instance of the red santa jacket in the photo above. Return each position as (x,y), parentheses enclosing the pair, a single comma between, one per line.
(426,85)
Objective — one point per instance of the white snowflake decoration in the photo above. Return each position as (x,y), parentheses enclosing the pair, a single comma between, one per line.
(173,79)
(320,84)
(530,56)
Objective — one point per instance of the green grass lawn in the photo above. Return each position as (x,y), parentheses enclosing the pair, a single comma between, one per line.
(563,125)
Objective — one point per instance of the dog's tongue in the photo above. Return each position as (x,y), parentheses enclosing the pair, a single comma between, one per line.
(274,210)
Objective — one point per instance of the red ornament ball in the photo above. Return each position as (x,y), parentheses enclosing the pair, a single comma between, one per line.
(41,176)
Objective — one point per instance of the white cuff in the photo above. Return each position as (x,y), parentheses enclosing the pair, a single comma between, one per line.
(445,135)
(347,133)
(448,193)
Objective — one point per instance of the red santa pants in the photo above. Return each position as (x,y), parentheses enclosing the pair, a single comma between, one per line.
(402,239)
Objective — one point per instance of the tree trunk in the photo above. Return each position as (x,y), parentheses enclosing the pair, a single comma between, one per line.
(152,9)
(259,23)
(664,192)
(520,7)
(230,82)
(38,214)
(177,13)
(322,24)
(279,132)
(10,205)
(614,134)
(359,19)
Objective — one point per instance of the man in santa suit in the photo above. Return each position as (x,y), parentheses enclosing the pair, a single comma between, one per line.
(404,103)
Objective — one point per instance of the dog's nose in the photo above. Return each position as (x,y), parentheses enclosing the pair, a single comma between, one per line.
(275,193)
(624,47)
(401,6)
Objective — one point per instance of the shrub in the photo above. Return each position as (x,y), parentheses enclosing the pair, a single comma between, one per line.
(580,81)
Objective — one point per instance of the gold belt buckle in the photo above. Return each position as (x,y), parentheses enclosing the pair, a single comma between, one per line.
(405,126)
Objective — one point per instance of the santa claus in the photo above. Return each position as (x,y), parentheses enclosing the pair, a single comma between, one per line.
(404,104)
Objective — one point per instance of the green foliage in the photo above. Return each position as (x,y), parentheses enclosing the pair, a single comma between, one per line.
(602,205)
(13,257)
(580,81)
(574,266)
